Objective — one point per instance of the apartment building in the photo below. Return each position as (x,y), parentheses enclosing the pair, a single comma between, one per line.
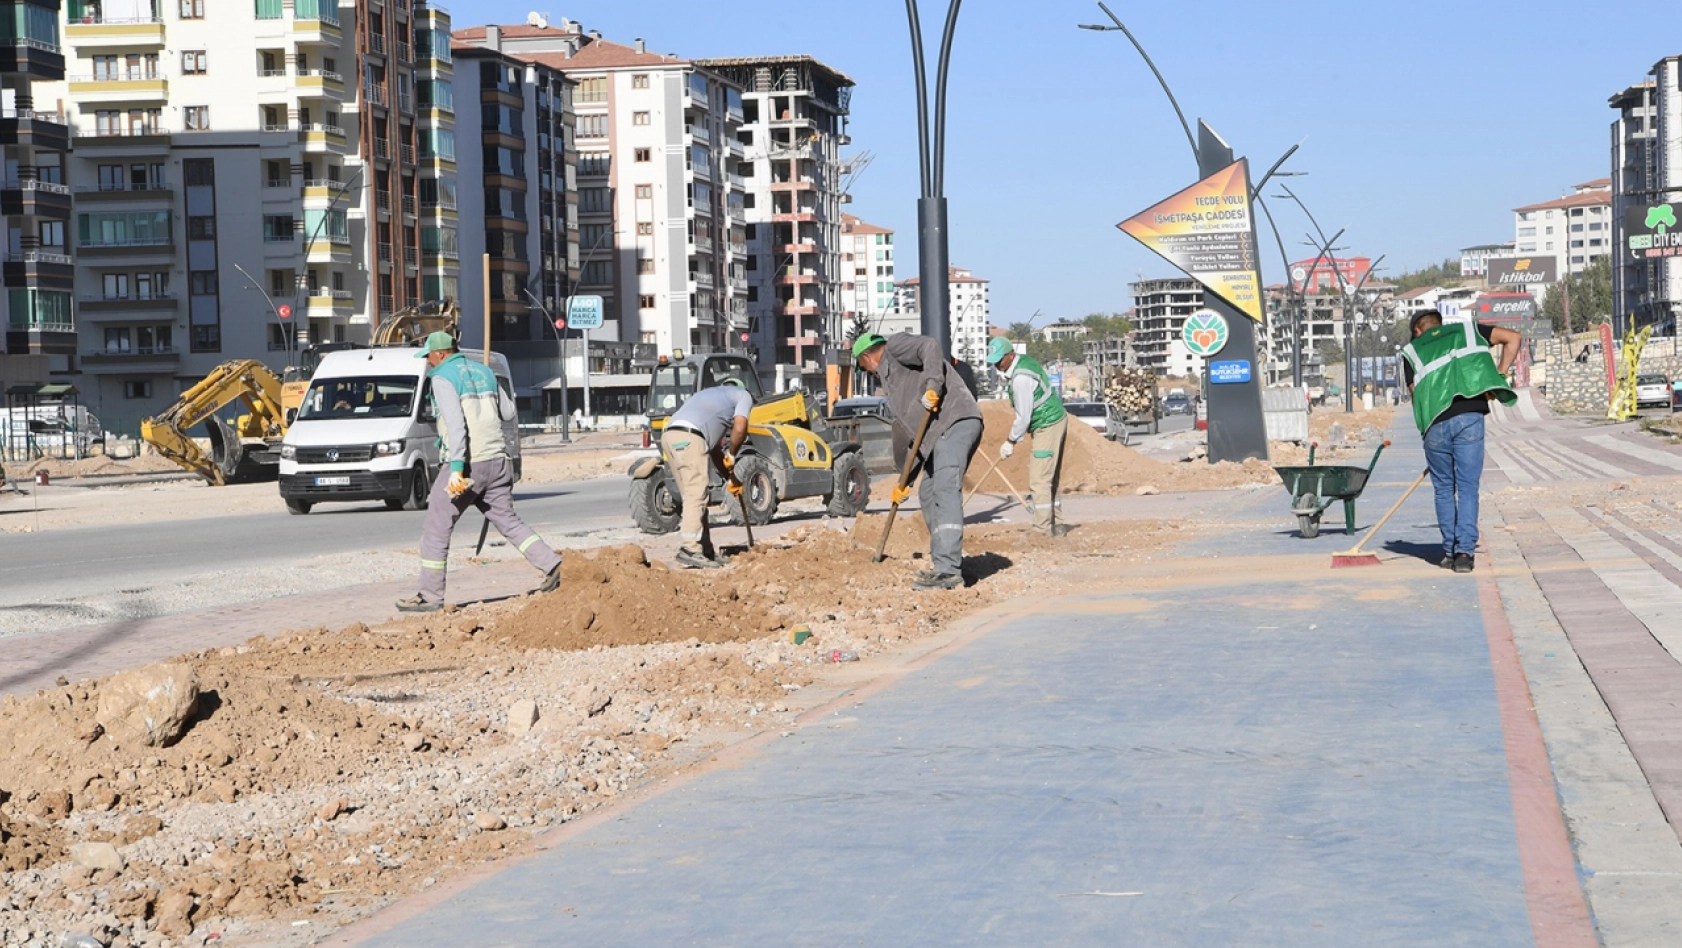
(1474,260)
(795,113)
(867,268)
(970,310)
(40,315)
(660,210)
(1162,307)
(248,180)
(1329,273)
(1575,230)
(1646,171)
(515,126)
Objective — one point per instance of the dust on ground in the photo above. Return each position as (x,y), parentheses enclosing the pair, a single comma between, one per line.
(1340,437)
(98,465)
(1092,465)
(326,772)
(547,467)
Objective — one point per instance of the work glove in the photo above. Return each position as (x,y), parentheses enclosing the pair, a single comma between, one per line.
(459,484)
(734,487)
(729,462)
(902,494)
(931,400)
(1007,449)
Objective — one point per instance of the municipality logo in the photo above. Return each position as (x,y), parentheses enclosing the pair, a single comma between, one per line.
(1205,332)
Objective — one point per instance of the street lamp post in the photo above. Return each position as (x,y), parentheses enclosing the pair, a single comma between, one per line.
(292,336)
(326,216)
(935,295)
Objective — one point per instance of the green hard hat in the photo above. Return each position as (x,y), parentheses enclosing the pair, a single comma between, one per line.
(997,348)
(866,342)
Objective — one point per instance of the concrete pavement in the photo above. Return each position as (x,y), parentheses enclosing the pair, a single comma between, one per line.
(1251,750)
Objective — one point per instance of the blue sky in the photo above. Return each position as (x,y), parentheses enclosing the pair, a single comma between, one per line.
(1425,122)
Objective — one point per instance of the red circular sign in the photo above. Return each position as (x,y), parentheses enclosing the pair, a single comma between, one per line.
(744,337)
(561,323)
(284,311)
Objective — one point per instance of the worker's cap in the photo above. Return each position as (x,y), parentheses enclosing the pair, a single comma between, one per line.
(997,348)
(439,341)
(866,342)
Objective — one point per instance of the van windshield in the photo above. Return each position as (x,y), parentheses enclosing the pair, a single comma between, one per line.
(381,396)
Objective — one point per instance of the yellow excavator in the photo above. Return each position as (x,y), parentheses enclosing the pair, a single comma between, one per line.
(248,448)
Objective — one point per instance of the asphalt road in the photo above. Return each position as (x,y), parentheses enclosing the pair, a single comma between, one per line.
(84,561)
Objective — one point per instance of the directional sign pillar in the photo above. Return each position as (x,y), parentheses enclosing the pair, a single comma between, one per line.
(1237,427)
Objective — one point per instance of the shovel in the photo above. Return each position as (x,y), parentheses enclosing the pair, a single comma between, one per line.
(904,479)
(739,490)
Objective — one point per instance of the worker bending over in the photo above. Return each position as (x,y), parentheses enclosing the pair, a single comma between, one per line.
(694,439)
(1039,414)
(919,379)
(478,473)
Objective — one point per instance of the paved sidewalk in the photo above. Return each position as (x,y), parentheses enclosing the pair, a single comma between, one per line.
(1256,750)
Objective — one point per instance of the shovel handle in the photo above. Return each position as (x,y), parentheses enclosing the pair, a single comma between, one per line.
(904,479)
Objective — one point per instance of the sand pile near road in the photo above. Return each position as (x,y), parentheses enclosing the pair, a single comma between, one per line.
(98,465)
(1092,465)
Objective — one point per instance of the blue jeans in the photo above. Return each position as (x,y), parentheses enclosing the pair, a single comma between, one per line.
(1454,453)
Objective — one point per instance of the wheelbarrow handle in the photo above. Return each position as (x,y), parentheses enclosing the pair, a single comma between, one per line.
(1311,446)
(1375,455)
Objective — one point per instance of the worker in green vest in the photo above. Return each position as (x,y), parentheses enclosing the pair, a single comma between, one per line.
(1039,412)
(1453,375)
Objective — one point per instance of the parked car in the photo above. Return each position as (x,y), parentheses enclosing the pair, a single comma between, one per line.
(1177,404)
(863,405)
(1652,390)
(1095,415)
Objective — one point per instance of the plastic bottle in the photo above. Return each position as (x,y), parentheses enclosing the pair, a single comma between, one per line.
(839,655)
(80,940)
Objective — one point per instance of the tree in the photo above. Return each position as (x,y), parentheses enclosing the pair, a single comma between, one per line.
(1107,325)
(1591,297)
(1446,273)
(1021,332)
(1331,352)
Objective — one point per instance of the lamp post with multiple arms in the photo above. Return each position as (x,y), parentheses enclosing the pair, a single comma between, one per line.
(934,297)
(289,332)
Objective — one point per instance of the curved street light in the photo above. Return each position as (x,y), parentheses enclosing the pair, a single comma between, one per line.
(932,256)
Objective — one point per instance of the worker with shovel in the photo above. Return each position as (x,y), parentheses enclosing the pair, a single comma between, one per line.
(471,408)
(693,441)
(1453,375)
(1039,415)
(919,381)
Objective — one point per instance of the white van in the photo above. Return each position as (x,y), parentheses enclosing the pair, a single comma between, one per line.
(366,431)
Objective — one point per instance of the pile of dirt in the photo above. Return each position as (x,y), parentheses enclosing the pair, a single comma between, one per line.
(100,465)
(1092,465)
(542,467)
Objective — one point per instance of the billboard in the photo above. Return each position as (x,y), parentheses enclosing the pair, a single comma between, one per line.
(1209,231)
(1651,231)
(1505,307)
(1523,271)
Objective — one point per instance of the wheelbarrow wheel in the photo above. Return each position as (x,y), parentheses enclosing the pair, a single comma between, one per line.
(1307,508)
(1308,525)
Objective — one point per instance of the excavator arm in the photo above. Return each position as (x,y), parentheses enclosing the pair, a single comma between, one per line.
(410,325)
(247,381)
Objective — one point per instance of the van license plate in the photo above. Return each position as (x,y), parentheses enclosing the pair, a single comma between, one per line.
(332,482)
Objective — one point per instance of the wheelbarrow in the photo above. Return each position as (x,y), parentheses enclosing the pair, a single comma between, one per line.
(1313,488)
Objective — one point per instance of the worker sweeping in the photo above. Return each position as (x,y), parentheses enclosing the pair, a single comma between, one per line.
(1040,417)
(471,409)
(919,380)
(694,440)
(1453,375)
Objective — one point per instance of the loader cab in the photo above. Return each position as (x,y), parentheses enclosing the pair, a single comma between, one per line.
(675,379)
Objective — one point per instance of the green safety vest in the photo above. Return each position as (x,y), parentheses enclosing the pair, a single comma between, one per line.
(1452,361)
(1048,408)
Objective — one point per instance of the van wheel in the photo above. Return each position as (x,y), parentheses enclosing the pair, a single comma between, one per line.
(852,486)
(298,507)
(420,489)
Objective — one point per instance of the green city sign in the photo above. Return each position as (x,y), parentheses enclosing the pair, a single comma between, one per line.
(1205,332)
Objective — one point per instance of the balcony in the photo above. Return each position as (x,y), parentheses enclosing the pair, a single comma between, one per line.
(130,359)
(30,127)
(443,202)
(375,95)
(94,303)
(121,191)
(37,257)
(31,196)
(326,249)
(376,43)
(120,87)
(128,246)
(321,138)
(382,148)
(702,244)
(408,153)
(385,253)
(701,279)
(409,205)
(405,54)
(698,132)
(320,81)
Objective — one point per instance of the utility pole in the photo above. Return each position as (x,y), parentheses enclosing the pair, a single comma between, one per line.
(932,260)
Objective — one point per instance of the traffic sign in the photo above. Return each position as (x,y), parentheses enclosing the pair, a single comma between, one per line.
(584,312)
(561,322)
(1229,373)
(283,311)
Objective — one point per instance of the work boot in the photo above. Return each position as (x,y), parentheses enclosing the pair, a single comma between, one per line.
(1463,562)
(929,579)
(695,560)
(551,580)
(418,603)
(1448,561)
(1055,530)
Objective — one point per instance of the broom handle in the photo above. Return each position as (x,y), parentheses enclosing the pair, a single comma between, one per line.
(904,478)
(982,480)
(1391,512)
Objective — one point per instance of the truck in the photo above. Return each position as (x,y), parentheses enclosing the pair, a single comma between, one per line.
(1131,393)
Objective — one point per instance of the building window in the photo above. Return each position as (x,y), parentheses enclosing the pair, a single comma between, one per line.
(645,265)
(595,165)
(594,200)
(639,118)
(645,301)
(192,9)
(193,62)
(645,190)
(640,81)
(268,9)
(196,117)
(591,90)
(135,389)
(644,154)
(201,228)
(278,228)
(592,126)
(645,229)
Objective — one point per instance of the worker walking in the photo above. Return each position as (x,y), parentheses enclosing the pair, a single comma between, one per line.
(917,379)
(471,409)
(1040,415)
(694,440)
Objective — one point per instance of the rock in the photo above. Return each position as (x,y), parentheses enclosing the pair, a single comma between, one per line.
(1146,491)
(414,741)
(522,715)
(331,809)
(592,699)
(96,856)
(151,705)
(75,939)
(173,913)
(489,822)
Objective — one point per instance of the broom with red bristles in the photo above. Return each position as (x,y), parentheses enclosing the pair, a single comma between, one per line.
(1354,556)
